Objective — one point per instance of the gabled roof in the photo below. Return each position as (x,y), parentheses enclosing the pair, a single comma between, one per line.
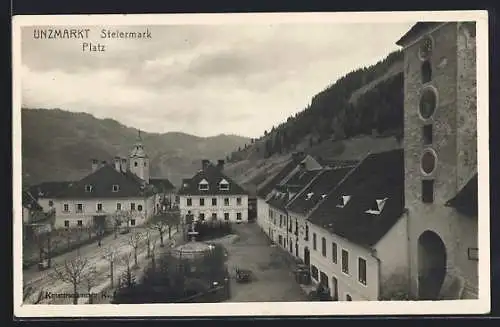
(49,189)
(161,184)
(323,183)
(102,181)
(415,31)
(466,199)
(265,189)
(378,176)
(213,176)
(30,202)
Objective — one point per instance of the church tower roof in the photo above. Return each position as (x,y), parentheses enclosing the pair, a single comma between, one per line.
(138,149)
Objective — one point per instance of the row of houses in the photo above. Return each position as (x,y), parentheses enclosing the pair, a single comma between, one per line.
(402,223)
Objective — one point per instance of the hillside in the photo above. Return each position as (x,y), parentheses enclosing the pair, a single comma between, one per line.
(362,111)
(58,145)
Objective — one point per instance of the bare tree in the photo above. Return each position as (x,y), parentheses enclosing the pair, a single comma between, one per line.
(153,254)
(135,241)
(128,278)
(116,221)
(126,216)
(149,238)
(161,227)
(89,279)
(110,256)
(89,228)
(47,242)
(29,291)
(72,271)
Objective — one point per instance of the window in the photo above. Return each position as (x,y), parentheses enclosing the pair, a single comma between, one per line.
(189,202)
(214,216)
(116,188)
(323,246)
(362,271)
(66,207)
(427,134)
(226,201)
(343,201)
(135,164)
(118,206)
(425,49)
(334,252)
(238,216)
(348,297)
(214,201)
(202,202)
(238,201)
(345,261)
(428,191)
(132,206)
(139,207)
(296,227)
(99,207)
(314,272)
(226,216)
(224,185)
(281,220)
(426,72)
(202,216)
(377,206)
(88,188)
(428,161)
(428,103)
(66,223)
(51,203)
(307,234)
(314,241)
(145,164)
(203,186)
(79,223)
(132,222)
(79,207)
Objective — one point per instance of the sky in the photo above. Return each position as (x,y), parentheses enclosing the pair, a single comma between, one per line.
(203,80)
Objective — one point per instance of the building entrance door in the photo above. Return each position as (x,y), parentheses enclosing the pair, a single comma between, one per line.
(307,258)
(431,265)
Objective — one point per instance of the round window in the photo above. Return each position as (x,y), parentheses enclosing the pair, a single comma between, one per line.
(139,207)
(428,162)
(428,102)
(425,49)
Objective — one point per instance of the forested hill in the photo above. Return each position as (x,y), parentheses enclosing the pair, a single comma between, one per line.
(366,101)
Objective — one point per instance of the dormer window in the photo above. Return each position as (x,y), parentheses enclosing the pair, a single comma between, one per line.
(203,185)
(223,185)
(116,188)
(343,201)
(88,188)
(377,207)
(309,195)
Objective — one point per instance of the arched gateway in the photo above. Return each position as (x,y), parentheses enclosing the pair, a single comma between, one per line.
(431,265)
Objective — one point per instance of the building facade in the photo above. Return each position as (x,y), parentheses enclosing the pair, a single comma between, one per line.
(212,196)
(441,158)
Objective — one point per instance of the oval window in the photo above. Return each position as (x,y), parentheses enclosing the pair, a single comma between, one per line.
(428,102)
(428,162)
(139,207)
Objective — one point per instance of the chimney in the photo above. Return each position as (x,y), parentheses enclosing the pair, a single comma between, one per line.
(95,164)
(117,163)
(205,163)
(123,164)
(220,164)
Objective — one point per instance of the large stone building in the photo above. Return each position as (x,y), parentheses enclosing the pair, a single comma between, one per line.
(212,196)
(123,185)
(440,144)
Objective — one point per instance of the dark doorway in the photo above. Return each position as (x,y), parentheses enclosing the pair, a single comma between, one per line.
(100,222)
(307,258)
(335,289)
(431,265)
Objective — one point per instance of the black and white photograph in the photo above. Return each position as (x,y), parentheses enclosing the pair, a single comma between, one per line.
(251,164)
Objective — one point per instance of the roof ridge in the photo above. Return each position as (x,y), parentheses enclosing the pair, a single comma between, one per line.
(349,173)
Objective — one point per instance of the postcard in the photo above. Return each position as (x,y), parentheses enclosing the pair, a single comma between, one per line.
(290,164)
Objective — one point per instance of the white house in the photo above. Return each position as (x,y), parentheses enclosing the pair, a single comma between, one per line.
(212,196)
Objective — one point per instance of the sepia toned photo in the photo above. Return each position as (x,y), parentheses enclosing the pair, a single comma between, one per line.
(251,164)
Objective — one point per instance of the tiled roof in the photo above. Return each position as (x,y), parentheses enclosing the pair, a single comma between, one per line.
(466,199)
(49,189)
(315,192)
(279,201)
(102,181)
(302,178)
(415,31)
(379,176)
(264,190)
(30,202)
(213,176)
(161,184)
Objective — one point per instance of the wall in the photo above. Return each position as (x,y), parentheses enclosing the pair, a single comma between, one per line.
(348,284)
(262,214)
(220,208)
(108,208)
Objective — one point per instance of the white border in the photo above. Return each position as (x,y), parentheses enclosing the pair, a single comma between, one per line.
(481,305)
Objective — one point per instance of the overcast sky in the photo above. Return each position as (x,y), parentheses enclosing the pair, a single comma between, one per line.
(201,80)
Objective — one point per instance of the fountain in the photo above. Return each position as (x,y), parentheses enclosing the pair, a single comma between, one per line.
(192,250)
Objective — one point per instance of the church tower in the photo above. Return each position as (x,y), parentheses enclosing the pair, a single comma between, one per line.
(440,147)
(139,160)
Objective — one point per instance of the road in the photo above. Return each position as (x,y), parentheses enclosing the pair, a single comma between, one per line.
(46,283)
